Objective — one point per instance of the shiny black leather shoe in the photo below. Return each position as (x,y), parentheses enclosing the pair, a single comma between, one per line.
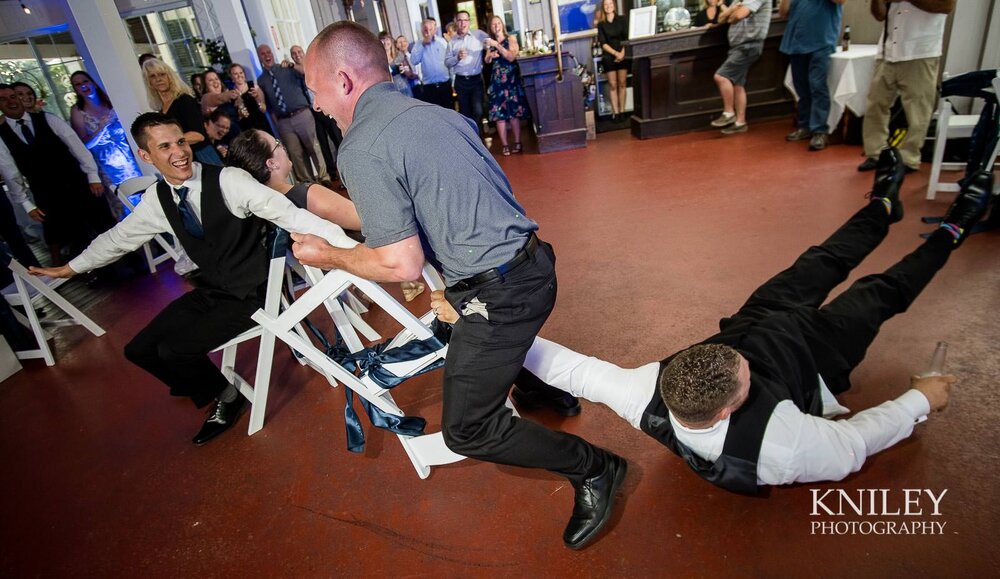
(595,499)
(969,207)
(868,164)
(224,415)
(889,174)
(562,403)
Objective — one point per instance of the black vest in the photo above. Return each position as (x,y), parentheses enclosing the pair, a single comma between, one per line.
(781,368)
(48,165)
(231,256)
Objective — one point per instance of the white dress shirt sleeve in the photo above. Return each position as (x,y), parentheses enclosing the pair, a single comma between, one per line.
(16,189)
(244,196)
(799,447)
(65,132)
(626,391)
(137,228)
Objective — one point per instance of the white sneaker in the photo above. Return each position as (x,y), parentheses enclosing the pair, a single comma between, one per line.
(724,120)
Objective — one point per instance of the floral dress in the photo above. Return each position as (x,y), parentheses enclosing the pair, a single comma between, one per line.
(506,93)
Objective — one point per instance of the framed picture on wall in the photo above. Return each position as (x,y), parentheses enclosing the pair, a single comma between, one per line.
(576,18)
(642,22)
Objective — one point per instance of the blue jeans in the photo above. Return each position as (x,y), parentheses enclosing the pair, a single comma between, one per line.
(809,73)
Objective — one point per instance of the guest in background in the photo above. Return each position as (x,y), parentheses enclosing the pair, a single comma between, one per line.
(395,66)
(61,173)
(218,128)
(289,105)
(169,95)
(28,96)
(429,54)
(229,101)
(506,93)
(465,58)
(198,84)
(709,13)
(96,123)
(253,100)
(748,22)
(407,68)
(326,128)
(612,31)
(810,38)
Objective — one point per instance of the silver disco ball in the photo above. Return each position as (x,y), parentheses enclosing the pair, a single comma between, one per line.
(676,19)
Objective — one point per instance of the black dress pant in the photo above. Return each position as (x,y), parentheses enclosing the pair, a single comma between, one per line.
(438,94)
(485,354)
(840,332)
(470,97)
(11,233)
(174,346)
(326,130)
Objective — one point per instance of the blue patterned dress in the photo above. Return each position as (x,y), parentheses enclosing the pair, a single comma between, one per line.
(506,93)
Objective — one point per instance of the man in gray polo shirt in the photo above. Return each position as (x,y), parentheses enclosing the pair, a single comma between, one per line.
(285,92)
(424,185)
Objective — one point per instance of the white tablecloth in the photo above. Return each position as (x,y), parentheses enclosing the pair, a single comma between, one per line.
(849,79)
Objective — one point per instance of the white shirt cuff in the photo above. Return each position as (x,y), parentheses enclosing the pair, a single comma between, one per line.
(915,404)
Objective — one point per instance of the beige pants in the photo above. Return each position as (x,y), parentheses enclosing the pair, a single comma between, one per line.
(915,83)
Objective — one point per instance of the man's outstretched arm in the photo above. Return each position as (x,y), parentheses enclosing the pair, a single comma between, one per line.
(828,450)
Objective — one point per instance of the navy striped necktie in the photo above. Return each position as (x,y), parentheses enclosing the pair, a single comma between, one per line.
(190,222)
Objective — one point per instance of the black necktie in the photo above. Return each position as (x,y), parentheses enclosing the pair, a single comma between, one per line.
(190,222)
(29,137)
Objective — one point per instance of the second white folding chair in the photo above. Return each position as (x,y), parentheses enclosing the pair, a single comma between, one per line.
(173,251)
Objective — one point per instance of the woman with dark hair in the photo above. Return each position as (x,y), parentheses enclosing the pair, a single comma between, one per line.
(198,84)
(253,101)
(218,98)
(505,93)
(96,123)
(267,161)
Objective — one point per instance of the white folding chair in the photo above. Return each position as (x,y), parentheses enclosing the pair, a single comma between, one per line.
(29,292)
(170,250)
(952,126)
(424,451)
(256,392)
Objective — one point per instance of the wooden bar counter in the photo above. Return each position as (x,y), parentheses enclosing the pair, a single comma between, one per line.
(673,87)
(556,106)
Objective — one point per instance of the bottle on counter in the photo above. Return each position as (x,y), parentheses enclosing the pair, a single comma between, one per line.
(846,42)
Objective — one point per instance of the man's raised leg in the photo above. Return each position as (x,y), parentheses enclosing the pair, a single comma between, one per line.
(822,267)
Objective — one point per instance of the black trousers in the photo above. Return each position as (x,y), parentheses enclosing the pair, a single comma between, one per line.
(174,346)
(470,98)
(485,356)
(438,94)
(840,332)
(326,130)
(11,233)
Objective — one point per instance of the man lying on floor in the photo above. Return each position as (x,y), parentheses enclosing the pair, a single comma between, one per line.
(750,405)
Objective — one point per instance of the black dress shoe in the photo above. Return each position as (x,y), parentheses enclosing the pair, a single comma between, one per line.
(224,415)
(889,174)
(869,164)
(594,501)
(969,207)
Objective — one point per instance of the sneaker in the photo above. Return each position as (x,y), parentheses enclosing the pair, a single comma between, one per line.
(889,175)
(798,135)
(735,128)
(818,142)
(868,164)
(969,207)
(724,120)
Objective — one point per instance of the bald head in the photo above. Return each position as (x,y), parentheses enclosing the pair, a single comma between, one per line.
(343,61)
(348,45)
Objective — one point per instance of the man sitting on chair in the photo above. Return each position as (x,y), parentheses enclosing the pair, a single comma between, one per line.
(749,405)
(219,216)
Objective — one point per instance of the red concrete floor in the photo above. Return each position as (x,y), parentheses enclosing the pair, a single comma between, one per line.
(656,241)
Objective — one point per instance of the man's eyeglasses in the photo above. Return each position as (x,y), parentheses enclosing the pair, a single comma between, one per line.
(277,144)
(462,20)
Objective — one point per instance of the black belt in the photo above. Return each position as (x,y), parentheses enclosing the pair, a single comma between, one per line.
(470,76)
(500,271)
(436,83)
(291,114)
